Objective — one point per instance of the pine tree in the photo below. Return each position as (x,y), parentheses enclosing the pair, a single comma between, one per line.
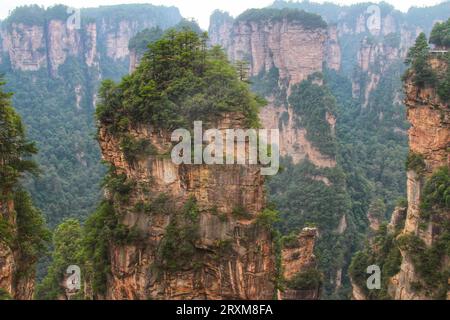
(418,59)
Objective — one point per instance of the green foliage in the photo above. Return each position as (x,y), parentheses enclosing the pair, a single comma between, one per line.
(178,81)
(119,185)
(415,162)
(97,235)
(28,15)
(268,218)
(68,157)
(188,25)
(440,35)
(240,212)
(423,74)
(266,83)
(436,194)
(307,20)
(302,200)
(392,40)
(312,102)
(429,262)
(67,250)
(15,149)
(142,39)
(4,295)
(32,234)
(178,244)
(28,237)
(306,280)
(443,87)
(386,255)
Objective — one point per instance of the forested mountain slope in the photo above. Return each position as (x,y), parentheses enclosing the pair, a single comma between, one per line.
(55,70)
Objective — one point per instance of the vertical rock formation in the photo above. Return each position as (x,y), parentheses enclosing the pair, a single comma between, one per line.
(297,257)
(429,137)
(50,41)
(292,47)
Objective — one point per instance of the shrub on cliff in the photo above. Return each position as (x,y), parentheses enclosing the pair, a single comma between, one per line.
(310,279)
(67,243)
(436,194)
(415,162)
(423,74)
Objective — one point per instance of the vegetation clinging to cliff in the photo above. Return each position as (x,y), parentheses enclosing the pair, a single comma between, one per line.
(178,81)
(307,20)
(440,36)
(15,149)
(28,237)
(418,60)
(384,253)
(313,102)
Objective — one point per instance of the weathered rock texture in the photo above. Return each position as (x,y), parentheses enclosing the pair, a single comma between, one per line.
(18,285)
(234,255)
(296,52)
(429,136)
(245,270)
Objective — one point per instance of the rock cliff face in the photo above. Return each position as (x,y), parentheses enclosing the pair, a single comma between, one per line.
(278,44)
(19,286)
(429,136)
(233,257)
(295,51)
(297,258)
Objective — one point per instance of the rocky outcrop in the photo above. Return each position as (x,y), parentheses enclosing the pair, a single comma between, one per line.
(275,44)
(49,43)
(234,255)
(293,141)
(293,49)
(297,257)
(429,136)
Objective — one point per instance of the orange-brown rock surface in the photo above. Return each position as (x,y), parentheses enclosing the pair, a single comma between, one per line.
(429,136)
(296,52)
(245,271)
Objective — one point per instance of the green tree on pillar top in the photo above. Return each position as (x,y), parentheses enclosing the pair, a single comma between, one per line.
(418,59)
(440,36)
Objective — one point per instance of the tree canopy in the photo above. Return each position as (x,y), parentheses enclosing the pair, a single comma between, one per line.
(15,149)
(440,35)
(178,81)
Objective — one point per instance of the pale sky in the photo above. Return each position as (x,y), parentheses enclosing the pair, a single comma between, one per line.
(200,10)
